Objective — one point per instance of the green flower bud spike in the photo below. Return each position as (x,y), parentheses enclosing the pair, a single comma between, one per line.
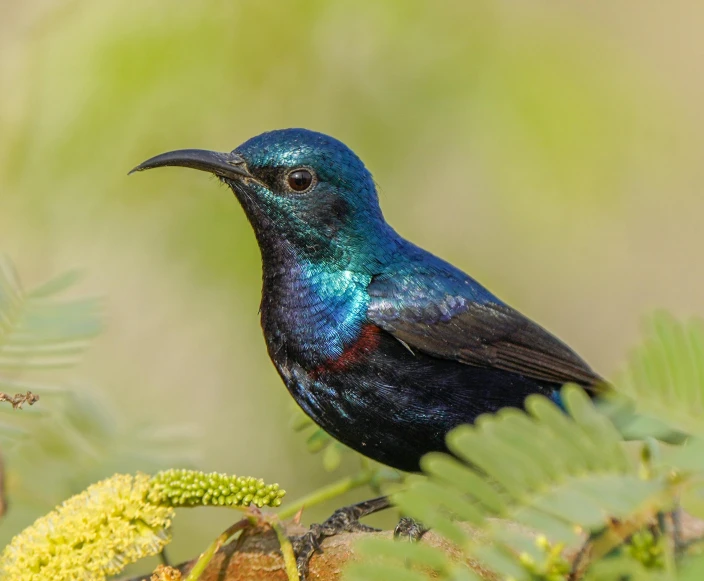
(192,488)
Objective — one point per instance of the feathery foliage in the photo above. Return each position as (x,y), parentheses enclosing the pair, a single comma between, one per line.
(39,332)
(664,378)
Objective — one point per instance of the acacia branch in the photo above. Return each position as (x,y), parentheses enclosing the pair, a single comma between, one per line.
(257,557)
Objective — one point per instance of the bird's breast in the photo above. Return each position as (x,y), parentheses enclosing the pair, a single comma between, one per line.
(313,313)
(368,341)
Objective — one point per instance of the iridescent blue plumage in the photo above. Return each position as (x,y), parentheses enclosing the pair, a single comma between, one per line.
(384,345)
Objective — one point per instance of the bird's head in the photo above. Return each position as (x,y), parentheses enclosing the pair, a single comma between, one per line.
(299,188)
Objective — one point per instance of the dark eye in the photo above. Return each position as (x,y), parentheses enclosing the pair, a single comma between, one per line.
(299,180)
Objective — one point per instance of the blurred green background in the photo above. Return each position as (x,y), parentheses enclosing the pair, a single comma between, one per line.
(553,150)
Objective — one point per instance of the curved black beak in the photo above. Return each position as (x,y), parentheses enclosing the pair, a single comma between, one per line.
(226,165)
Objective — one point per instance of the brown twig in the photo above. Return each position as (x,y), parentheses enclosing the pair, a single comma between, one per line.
(20,399)
(17,402)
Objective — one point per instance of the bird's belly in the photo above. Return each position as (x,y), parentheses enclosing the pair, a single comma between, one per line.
(392,430)
(394,406)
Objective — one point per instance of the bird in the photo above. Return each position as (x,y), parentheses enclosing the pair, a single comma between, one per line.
(384,345)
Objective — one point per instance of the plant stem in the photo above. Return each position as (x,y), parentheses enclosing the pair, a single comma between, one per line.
(205,557)
(327,492)
(668,548)
(287,552)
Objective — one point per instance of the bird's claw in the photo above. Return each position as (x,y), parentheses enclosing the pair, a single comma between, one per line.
(343,520)
(410,529)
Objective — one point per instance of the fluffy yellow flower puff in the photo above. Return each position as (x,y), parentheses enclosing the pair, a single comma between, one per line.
(91,535)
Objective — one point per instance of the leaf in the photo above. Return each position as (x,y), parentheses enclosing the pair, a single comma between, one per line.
(689,457)
(566,473)
(551,526)
(445,468)
(317,441)
(333,452)
(39,332)
(623,568)
(375,571)
(299,421)
(424,502)
(332,457)
(498,560)
(398,559)
(555,472)
(57,284)
(420,554)
(665,375)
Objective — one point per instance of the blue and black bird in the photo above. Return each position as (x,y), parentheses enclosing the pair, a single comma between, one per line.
(384,345)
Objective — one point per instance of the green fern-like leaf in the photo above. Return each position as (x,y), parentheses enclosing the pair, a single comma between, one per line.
(385,560)
(515,473)
(567,476)
(543,469)
(36,330)
(665,377)
(624,568)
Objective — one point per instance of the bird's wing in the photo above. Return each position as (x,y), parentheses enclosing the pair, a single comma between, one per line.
(478,330)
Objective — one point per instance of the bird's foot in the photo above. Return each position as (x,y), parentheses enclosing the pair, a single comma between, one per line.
(343,520)
(410,529)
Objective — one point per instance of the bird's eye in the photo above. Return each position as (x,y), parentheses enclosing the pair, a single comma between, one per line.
(300,180)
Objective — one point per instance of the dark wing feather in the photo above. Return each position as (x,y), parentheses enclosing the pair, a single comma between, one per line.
(484,334)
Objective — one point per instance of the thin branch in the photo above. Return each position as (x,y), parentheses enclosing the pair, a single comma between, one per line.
(20,399)
(259,557)
(333,490)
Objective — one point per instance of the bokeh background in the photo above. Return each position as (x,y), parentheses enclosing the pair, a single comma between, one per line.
(553,150)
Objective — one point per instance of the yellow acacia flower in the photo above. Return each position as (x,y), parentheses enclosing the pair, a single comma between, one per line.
(118,521)
(91,535)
